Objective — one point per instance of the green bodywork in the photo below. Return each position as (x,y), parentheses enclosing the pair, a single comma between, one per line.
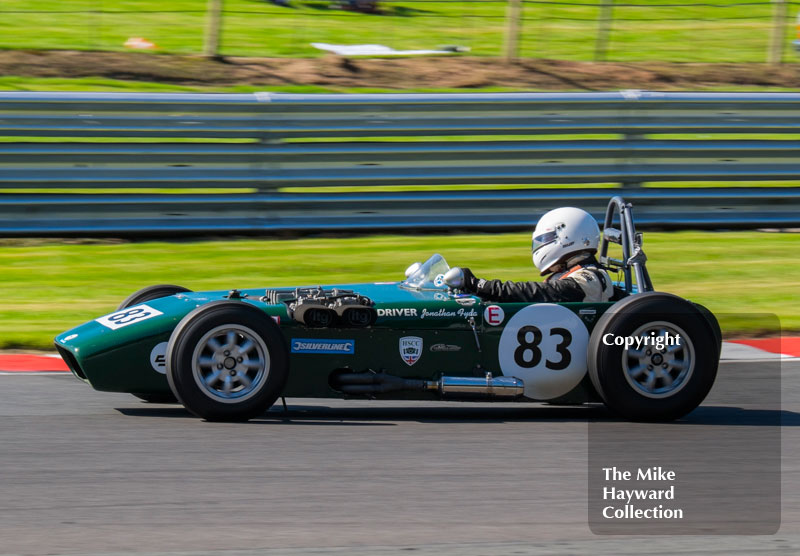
(119,360)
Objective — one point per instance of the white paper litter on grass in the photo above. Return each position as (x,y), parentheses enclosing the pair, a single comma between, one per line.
(374,50)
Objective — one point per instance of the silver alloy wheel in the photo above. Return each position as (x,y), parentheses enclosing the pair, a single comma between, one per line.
(659,373)
(230,363)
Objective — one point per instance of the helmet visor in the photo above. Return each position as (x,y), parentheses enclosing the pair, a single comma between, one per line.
(542,240)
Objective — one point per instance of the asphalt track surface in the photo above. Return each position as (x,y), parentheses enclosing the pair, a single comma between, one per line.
(98,473)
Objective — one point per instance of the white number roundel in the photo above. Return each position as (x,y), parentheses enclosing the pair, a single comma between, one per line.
(545,346)
(158,358)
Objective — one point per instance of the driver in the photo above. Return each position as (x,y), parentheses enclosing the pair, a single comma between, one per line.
(564,244)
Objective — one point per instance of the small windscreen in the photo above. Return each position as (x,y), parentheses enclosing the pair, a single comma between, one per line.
(430,275)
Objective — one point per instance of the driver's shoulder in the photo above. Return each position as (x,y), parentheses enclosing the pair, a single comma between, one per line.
(586,273)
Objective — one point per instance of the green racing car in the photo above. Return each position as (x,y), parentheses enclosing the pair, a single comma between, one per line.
(229,355)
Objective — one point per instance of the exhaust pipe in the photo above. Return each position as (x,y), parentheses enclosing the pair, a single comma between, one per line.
(500,387)
(447,386)
(374,383)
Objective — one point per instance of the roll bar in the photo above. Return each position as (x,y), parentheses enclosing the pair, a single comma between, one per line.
(633,258)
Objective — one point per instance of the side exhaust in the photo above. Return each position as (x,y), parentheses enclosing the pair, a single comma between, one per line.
(500,387)
(454,387)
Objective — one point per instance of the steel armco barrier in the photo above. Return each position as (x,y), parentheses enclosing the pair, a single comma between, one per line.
(258,145)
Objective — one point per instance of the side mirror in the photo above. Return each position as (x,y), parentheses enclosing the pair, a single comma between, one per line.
(454,278)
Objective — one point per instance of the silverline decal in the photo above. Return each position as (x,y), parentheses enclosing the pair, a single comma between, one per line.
(317,345)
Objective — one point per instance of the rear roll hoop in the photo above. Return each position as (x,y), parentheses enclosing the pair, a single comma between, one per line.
(633,262)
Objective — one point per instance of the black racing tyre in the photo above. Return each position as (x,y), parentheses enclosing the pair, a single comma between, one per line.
(147,294)
(712,321)
(227,361)
(654,383)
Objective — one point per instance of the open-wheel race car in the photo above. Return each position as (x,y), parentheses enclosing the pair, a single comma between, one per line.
(229,355)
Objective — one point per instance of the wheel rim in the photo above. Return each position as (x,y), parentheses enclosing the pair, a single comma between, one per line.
(659,373)
(230,363)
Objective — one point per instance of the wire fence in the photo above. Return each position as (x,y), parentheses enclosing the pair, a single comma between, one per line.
(724,31)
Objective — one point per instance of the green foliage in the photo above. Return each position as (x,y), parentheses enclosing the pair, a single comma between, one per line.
(50,286)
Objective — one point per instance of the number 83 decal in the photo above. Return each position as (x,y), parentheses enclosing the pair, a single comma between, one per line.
(545,346)
(532,346)
(128,316)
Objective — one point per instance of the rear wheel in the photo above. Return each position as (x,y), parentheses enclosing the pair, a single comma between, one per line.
(653,380)
(142,296)
(226,361)
(713,323)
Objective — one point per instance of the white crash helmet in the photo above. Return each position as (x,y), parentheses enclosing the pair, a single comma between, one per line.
(560,233)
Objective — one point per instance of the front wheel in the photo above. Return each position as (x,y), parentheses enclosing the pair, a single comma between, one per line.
(149,293)
(226,361)
(653,357)
(143,296)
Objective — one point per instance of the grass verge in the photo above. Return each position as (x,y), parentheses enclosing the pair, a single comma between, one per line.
(131,85)
(566,29)
(50,286)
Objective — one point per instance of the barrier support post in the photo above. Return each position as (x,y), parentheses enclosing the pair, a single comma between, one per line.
(604,19)
(513,29)
(213,29)
(778,34)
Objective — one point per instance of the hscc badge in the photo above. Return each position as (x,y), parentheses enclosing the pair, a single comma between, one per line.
(410,349)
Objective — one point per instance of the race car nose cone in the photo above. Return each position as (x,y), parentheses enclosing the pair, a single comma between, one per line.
(230,362)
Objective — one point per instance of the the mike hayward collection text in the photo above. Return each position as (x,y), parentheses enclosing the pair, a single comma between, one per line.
(636,503)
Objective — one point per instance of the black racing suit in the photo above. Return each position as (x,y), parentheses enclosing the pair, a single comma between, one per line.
(583,280)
